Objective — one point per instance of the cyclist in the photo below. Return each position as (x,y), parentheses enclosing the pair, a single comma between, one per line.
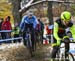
(29,21)
(59,30)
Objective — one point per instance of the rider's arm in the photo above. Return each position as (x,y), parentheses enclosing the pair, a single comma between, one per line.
(22,24)
(72,29)
(35,22)
(55,31)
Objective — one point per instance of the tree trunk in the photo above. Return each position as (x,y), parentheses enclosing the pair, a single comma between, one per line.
(50,14)
(15,10)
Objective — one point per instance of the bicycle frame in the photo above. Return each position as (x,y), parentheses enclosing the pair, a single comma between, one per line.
(28,41)
(66,52)
(28,36)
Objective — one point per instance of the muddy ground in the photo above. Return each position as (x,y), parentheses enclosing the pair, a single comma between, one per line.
(18,52)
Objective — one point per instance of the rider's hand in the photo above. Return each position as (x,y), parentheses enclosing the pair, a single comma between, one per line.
(53,44)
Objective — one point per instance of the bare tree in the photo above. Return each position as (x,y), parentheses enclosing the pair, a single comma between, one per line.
(49,12)
(15,9)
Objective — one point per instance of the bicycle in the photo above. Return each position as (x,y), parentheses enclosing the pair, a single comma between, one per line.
(28,41)
(64,54)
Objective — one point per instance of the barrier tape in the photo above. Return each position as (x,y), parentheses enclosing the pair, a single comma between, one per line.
(6,31)
(10,39)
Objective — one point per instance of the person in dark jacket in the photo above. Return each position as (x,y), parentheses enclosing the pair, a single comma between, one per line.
(41,29)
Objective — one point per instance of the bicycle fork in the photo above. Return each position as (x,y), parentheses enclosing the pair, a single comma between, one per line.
(66,50)
(29,41)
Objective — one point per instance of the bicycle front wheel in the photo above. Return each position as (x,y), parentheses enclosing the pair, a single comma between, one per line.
(29,46)
(70,57)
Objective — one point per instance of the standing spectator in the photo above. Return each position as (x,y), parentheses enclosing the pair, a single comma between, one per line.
(51,33)
(16,33)
(47,32)
(47,29)
(6,25)
(41,29)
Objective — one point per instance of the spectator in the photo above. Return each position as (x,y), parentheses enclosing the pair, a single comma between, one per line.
(51,33)
(47,31)
(49,28)
(6,25)
(16,33)
(41,29)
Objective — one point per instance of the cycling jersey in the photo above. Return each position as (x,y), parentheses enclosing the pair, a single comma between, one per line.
(27,20)
(59,29)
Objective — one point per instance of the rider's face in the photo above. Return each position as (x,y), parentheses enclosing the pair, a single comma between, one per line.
(65,23)
(30,16)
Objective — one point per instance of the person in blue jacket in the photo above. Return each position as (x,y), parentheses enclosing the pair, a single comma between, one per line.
(29,21)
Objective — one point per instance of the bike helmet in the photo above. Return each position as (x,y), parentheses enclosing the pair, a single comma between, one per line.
(30,13)
(66,16)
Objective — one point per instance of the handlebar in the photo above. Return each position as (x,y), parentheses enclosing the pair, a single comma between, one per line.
(71,40)
(62,41)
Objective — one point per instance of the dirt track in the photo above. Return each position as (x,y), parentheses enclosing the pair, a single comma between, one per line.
(17,52)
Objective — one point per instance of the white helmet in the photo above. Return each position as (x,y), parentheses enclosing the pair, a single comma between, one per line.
(29,13)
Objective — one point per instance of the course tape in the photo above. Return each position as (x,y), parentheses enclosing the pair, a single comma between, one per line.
(10,39)
(6,31)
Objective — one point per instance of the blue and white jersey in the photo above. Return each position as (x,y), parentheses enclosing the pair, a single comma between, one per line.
(28,20)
